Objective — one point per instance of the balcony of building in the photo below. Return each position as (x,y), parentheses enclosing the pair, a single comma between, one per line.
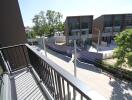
(28,75)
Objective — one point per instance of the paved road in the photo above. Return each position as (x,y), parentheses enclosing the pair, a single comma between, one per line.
(95,78)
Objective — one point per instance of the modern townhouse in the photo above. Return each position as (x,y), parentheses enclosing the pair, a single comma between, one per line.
(79,28)
(106,27)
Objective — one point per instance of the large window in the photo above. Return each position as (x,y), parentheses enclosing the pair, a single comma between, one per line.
(74,23)
(116,29)
(108,29)
(84,25)
(108,21)
(84,32)
(128,20)
(74,26)
(117,20)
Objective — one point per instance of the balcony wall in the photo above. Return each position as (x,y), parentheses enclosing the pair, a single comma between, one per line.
(11,24)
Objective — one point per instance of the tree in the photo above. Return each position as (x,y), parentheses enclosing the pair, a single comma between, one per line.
(54,21)
(30,34)
(60,27)
(39,21)
(123,52)
(47,23)
(53,18)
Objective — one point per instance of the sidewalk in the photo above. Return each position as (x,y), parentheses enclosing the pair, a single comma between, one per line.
(94,78)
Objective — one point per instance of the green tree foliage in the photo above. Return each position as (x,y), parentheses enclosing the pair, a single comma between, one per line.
(30,34)
(39,21)
(47,23)
(60,26)
(123,52)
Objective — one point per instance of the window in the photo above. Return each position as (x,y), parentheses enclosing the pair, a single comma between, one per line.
(108,21)
(116,29)
(75,26)
(74,23)
(117,20)
(108,29)
(84,32)
(128,20)
(90,31)
(84,25)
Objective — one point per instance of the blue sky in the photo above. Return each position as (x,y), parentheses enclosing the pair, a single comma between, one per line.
(73,7)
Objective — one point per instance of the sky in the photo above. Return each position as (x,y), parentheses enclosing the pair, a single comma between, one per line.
(29,8)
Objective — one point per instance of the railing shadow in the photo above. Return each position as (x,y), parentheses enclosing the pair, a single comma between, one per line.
(80,64)
(63,57)
(119,88)
(89,67)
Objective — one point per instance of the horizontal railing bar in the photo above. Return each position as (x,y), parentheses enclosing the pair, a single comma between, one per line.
(77,84)
(12,46)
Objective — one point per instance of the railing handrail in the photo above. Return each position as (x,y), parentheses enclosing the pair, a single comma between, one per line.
(77,84)
(11,46)
(15,56)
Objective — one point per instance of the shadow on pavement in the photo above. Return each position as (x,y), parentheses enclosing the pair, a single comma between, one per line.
(119,88)
(79,63)
(63,57)
(88,67)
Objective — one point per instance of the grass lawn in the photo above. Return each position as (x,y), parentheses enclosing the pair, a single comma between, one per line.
(112,61)
(126,72)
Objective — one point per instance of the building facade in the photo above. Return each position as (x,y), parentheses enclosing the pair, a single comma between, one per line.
(79,28)
(106,27)
(11,24)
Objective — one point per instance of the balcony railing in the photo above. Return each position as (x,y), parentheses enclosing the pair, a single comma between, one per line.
(15,56)
(55,82)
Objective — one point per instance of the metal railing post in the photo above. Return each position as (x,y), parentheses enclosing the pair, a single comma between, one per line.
(44,46)
(5,63)
(75,58)
(75,64)
(98,42)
